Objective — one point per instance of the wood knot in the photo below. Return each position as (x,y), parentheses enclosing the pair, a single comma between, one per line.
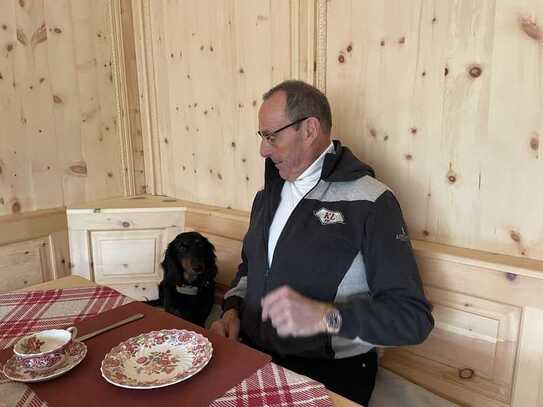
(408,157)
(57,99)
(451,178)
(57,30)
(466,373)
(341,59)
(530,28)
(475,71)
(413,130)
(511,276)
(515,236)
(425,233)
(125,224)
(16,207)
(401,40)
(373,133)
(446,71)
(534,142)
(350,48)
(79,169)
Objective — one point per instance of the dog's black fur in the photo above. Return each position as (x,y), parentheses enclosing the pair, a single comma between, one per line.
(188,287)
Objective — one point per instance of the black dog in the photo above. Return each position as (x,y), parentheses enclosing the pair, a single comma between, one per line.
(188,287)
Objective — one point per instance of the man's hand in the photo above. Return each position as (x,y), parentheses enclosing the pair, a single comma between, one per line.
(292,314)
(228,325)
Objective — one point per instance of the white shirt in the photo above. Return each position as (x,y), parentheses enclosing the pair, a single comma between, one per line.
(291,194)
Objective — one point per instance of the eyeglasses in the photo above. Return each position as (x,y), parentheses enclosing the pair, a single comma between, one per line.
(271,136)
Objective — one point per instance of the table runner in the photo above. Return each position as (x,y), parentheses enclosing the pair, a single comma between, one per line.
(25,312)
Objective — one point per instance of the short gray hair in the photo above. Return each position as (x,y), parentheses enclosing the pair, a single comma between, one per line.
(304,100)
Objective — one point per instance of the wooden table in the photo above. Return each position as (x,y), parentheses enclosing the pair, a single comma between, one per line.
(76,281)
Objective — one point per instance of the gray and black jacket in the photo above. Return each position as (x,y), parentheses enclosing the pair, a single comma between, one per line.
(345,243)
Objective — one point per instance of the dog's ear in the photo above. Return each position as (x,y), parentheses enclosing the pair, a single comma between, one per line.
(170,265)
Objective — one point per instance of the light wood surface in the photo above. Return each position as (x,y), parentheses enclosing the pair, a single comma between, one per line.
(441,99)
(199,120)
(76,281)
(59,108)
(121,242)
(33,248)
(424,93)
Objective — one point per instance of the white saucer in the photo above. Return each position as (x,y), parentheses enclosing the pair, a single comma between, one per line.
(75,352)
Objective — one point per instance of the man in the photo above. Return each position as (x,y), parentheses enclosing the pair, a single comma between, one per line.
(327,271)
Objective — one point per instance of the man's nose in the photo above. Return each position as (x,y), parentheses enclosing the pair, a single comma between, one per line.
(265,148)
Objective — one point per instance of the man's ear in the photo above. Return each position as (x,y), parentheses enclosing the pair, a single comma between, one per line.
(312,128)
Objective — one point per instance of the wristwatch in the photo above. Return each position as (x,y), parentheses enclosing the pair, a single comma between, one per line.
(332,320)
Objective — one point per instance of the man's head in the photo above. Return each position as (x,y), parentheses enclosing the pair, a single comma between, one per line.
(294,147)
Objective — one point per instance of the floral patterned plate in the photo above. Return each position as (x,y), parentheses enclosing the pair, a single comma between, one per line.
(17,370)
(156,359)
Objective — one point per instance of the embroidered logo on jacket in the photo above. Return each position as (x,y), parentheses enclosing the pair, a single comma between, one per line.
(404,237)
(328,217)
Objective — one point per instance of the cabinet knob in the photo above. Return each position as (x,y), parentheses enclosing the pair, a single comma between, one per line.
(466,373)
(125,224)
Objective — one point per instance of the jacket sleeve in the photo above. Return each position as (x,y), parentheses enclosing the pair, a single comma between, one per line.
(233,298)
(396,312)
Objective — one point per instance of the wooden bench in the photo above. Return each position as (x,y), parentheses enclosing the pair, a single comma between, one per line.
(485,349)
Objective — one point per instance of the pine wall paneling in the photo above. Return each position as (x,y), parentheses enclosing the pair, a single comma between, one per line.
(62,137)
(64,112)
(443,98)
(202,68)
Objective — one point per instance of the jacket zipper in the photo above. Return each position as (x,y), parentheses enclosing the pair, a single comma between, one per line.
(268,266)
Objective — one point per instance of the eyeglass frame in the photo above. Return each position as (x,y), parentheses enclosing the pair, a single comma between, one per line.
(270,137)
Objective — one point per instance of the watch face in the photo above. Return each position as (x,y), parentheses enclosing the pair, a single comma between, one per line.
(333,321)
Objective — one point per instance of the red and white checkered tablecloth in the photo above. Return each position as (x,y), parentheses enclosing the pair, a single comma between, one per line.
(25,312)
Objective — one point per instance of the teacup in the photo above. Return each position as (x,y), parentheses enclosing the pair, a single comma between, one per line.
(45,349)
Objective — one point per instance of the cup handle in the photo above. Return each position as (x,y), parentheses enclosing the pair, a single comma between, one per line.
(73,331)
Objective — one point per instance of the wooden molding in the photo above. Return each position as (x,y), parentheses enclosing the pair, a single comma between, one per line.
(121,96)
(320,52)
(143,35)
(302,25)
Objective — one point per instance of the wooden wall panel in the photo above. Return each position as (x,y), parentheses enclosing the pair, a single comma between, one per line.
(59,107)
(203,66)
(443,99)
(33,248)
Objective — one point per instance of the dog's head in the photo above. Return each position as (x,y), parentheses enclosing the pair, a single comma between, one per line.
(190,258)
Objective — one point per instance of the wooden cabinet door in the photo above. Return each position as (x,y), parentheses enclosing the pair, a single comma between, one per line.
(470,354)
(127,256)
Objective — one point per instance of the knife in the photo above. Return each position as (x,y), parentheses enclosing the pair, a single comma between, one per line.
(109,327)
